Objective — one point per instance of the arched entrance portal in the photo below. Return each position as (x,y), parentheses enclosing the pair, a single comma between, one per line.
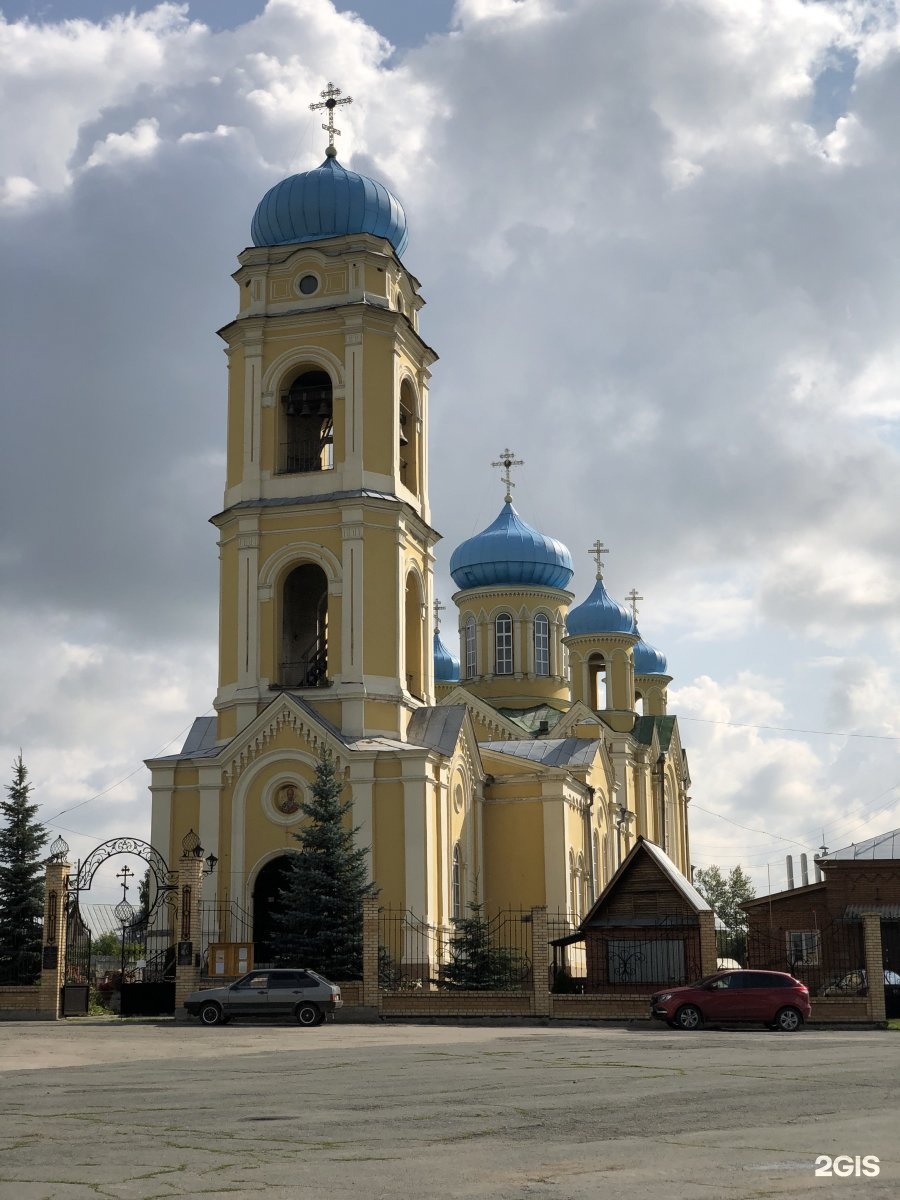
(270,881)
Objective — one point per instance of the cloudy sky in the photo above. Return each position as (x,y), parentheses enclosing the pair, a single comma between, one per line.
(660,246)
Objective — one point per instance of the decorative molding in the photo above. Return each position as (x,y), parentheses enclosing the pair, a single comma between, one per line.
(248,541)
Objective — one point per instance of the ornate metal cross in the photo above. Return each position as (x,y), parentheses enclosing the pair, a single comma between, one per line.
(508,459)
(438,609)
(330,102)
(634,597)
(596,552)
(125,875)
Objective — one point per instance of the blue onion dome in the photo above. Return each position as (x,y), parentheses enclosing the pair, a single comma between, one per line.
(510,552)
(446,664)
(648,660)
(599,614)
(327,202)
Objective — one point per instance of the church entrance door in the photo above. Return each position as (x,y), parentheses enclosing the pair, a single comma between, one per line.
(266,905)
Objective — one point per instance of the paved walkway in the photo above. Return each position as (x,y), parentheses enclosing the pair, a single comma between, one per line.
(147,1111)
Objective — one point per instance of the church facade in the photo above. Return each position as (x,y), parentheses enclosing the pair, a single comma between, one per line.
(516,773)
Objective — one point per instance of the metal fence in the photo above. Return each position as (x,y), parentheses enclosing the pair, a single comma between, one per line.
(616,960)
(475,953)
(224,921)
(828,958)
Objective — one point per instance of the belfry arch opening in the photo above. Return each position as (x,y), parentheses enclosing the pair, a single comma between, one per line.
(415,625)
(304,627)
(409,438)
(306,442)
(597,681)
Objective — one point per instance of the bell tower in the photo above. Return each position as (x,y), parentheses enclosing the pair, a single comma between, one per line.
(326,547)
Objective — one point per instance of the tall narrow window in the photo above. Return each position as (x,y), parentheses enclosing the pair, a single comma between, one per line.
(541,645)
(595,864)
(307,425)
(597,681)
(409,438)
(415,632)
(503,645)
(304,627)
(471,653)
(456,884)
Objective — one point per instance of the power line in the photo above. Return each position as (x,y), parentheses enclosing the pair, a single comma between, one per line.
(878,737)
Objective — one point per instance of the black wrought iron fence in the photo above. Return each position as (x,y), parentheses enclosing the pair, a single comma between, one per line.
(475,953)
(827,958)
(224,921)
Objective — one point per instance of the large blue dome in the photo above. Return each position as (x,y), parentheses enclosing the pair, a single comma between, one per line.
(446,664)
(599,614)
(326,202)
(511,552)
(648,660)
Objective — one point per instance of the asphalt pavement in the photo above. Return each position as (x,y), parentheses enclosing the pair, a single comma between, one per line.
(145,1111)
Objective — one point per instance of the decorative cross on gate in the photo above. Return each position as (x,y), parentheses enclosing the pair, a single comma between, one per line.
(330,102)
(508,459)
(596,551)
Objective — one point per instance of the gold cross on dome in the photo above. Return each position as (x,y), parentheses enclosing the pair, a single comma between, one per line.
(596,551)
(508,459)
(330,102)
(438,609)
(634,597)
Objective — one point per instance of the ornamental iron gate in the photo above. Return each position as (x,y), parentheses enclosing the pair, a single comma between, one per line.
(147,989)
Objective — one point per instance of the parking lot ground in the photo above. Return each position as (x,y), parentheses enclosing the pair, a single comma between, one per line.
(141,1111)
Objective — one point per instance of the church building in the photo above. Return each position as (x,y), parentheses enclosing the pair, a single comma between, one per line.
(519,772)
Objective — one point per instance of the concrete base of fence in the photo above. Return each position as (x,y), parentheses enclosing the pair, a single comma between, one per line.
(356,1014)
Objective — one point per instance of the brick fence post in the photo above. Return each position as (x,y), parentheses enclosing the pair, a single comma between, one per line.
(540,962)
(188,931)
(53,972)
(874,966)
(371,996)
(709,960)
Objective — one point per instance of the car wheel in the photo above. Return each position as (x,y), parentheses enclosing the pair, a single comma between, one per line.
(211,1014)
(688,1017)
(307,1014)
(788,1020)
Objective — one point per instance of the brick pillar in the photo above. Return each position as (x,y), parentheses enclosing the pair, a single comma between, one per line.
(709,958)
(371,997)
(874,965)
(540,962)
(187,931)
(53,973)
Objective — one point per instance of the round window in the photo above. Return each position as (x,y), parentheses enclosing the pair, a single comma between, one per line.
(307,285)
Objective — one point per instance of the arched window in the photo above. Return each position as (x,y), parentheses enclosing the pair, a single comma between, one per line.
(541,645)
(639,704)
(503,645)
(415,628)
(307,425)
(581,888)
(456,884)
(573,889)
(470,649)
(304,627)
(597,681)
(409,438)
(595,864)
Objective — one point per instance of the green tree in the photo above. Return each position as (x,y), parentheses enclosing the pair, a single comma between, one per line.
(320,922)
(725,894)
(475,962)
(22,838)
(109,944)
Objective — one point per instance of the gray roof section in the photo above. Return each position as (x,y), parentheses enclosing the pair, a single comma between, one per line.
(438,727)
(884,845)
(887,912)
(550,752)
(201,737)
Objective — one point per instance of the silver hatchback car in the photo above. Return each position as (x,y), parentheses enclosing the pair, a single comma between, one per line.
(274,992)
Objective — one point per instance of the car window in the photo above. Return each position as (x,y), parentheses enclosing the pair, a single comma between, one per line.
(307,980)
(760,979)
(254,981)
(729,981)
(284,979)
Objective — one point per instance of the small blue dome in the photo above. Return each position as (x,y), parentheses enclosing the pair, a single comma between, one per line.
(326,202)
(648,660)
(446,665)
(511,552)
(599,614)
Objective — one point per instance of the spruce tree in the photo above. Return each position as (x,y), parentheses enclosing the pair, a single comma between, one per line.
(475,963)
(320,922)
(21,881)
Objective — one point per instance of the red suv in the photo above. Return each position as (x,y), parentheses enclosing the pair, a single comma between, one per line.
(776,1000)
